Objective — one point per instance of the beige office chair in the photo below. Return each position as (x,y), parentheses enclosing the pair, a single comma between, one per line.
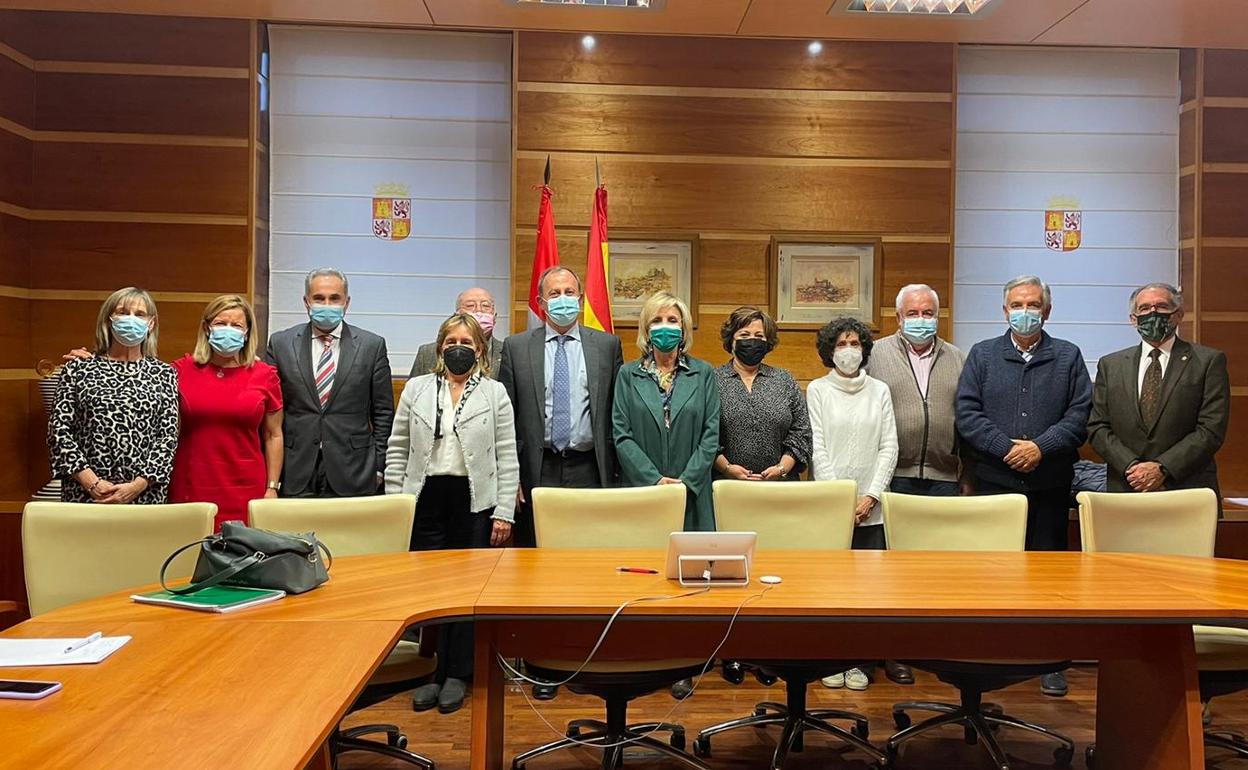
(1181,522)
(985,523)
(356,526)
(640,517)
(77,551)
(792,516)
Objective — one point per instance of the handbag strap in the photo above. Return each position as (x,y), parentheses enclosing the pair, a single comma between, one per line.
(237,566)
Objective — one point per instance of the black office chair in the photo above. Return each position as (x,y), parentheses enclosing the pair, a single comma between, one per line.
(407,666)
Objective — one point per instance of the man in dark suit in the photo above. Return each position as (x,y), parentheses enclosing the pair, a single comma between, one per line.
(561,379)
(1160,409)
(338,397)
(478,303)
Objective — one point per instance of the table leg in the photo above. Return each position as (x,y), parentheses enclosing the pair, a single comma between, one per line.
(1148,706)
(322,759)
(487,701)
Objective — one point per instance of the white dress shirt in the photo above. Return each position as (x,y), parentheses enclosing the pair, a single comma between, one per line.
(1163,359)
(318,345)
(447,457)
(582,438)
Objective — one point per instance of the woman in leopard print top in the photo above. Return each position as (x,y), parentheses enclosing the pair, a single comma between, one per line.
(113,428)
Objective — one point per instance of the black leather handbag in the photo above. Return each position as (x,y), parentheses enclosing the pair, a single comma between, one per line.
(255,558)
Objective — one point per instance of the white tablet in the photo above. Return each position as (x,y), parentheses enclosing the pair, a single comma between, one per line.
(726,555)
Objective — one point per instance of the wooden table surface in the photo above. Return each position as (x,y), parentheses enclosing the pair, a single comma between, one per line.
(263,687)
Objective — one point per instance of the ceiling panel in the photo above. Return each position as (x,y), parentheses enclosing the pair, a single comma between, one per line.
(1169,23)
(688,17)
(382,12)
(1013,21)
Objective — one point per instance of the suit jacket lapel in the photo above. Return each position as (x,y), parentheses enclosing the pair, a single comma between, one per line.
(648,392)
(536,345)
(1130,384)
(685,382)
(593,379)
(1180,354)
(346,357)
(303,357)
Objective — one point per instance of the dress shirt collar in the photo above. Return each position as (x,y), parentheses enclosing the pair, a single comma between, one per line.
(1164,347)
(763,370)
(1027,351)
(335,332)
(574,333)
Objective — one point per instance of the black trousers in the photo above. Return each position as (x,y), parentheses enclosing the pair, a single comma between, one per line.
(319,486)
(444,521)
(1048,515)
(911,486)
(570,470)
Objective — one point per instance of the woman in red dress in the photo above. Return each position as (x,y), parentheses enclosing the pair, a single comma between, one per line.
(230,447)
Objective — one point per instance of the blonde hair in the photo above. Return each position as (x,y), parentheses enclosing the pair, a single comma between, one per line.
(203,351)
(662,300)
(117,300)
(478,341)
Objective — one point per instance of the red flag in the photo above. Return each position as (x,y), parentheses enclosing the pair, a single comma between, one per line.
(597,292)
(547,254)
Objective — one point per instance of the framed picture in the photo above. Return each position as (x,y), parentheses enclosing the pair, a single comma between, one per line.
(643,263)
(814,279)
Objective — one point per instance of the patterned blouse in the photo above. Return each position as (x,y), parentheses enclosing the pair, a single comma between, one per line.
(118,418)
(666,381)
(757,427)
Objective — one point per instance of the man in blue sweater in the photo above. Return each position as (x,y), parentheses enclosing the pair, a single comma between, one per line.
(1022,407)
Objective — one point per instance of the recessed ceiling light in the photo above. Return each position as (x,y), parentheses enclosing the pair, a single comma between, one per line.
(815,48)
(588,42)
(964,8)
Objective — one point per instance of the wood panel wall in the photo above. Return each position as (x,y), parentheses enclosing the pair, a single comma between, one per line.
(1213,158)
(130,157)
(736,140)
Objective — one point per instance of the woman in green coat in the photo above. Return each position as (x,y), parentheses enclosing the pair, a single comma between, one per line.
(666,411)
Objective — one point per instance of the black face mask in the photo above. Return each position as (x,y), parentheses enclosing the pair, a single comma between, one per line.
(459,359)
(1155,326)
(751,350)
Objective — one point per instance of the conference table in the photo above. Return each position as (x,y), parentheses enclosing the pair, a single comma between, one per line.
(264,688)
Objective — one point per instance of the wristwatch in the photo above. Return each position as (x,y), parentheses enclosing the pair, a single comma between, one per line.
(273,485)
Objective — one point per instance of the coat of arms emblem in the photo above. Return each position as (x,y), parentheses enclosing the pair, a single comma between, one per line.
(1063,225)
(392,212)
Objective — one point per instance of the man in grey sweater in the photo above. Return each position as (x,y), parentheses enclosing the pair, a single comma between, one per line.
(921,372)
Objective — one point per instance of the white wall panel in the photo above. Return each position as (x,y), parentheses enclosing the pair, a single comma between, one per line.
(355,108)
(1035,125)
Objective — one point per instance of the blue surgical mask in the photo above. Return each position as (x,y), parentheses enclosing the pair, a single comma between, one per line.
(665,337)
(563,310)
(226,340)
(918,330)
(327,317)
(1026,322)
(130,330)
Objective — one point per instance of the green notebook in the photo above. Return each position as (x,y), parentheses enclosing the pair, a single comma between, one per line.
(213,598)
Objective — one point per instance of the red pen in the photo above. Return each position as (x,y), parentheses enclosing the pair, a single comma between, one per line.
(638,570)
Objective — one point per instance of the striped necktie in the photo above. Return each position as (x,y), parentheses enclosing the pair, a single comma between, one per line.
(325,368)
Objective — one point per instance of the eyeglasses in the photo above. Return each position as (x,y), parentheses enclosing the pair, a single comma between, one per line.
(1160,307)
(478,306)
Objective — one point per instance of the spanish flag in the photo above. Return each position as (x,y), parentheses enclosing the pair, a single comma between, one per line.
(597,268)
(547,253)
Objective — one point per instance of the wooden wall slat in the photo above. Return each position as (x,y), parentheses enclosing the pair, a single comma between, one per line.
(17,93)
(120,177)
(1225,135)
(199,258)
(14,407)
(1222,198)
(732,126)
(14,251)
(15,335)
(16,169)
(1223,270)
(130,39)
(1187,206)
(727,196)
(1187,138)
(1187,74)
(1231,337)
(60,325)
(736,63)
(141,104)
(1187,273)
(1233,459)
(1226,73)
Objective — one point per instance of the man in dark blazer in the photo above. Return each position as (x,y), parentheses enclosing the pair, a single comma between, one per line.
(566,444)
(1160,409)
(478,303)
(338,397)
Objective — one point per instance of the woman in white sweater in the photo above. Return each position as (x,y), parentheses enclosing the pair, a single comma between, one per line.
(854,437)
(453,446)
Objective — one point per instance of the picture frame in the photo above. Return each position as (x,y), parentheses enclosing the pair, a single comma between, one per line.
(642,263)
(815,278)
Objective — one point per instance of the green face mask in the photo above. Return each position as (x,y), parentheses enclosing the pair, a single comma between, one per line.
(1155,326)
(665,337)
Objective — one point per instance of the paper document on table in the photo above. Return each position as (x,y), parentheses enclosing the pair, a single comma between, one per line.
(51,652)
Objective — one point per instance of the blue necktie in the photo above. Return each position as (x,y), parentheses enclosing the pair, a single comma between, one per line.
(561,398)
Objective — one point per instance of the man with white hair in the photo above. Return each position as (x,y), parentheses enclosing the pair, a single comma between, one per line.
(1022,407)
(921,371)
(478,303)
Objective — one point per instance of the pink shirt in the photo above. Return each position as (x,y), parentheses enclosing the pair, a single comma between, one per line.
(921,365)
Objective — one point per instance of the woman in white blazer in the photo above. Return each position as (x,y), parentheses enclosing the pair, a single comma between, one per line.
(453,446)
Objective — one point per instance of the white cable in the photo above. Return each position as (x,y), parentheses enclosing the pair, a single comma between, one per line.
(517,676)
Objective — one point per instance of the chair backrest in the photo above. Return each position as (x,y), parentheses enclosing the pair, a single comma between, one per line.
(788,515)
(932,523)
(77,551)
(630,517)
(1182,522)
(348,526)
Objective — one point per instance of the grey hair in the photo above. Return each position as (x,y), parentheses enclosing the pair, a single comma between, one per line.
(541,281)
(911,288)
(1029,280)
(1176,296)
(323,272)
